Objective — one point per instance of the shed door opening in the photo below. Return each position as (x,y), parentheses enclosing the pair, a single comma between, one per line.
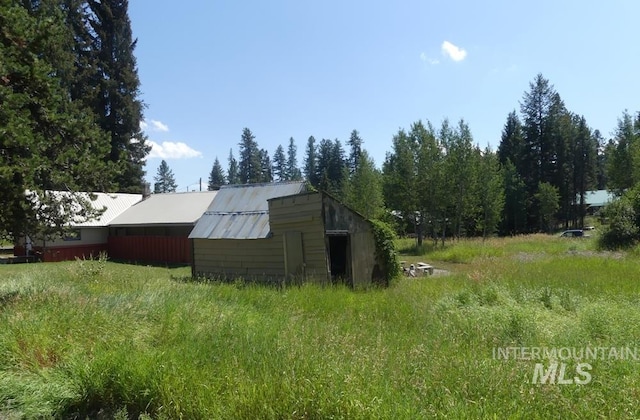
(339,257)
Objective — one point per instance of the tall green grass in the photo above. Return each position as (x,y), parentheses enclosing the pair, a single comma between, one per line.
(81,339)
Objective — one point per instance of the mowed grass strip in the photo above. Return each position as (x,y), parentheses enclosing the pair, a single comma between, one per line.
(93,338)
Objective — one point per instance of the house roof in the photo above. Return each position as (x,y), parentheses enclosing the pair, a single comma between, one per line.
(114,204)
(598,198)
(242,211)
(183,208)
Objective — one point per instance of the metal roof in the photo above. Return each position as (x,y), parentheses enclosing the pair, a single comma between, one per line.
(113,204)
(242,211)
(182,208)
(597,198)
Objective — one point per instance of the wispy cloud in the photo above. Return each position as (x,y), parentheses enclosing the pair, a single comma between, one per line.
(159,126)
(425,59)
(453,51)
(155,126)
(172,150)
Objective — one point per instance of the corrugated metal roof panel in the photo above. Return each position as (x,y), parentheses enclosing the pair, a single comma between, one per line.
(167,209)
(113,204)
(242,211)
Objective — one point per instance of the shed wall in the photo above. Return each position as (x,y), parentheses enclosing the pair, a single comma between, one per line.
(303,213)
(363,247)
(249,258)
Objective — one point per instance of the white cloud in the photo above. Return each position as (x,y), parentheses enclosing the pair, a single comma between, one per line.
(172,150)
(453,52)
(426,59)
(159,126)
(155,126)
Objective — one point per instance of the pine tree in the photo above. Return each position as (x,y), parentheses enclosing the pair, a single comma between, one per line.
(117,102)
(249,164)
(280,164)
(46,140)
(292,171)
(355,151)
(621,155)
(512,143)
(233,176)
(311,163)
(265,166)
(216,177)
(164,181)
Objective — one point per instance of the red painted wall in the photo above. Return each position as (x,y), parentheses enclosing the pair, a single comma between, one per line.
(158,249)
(66,253)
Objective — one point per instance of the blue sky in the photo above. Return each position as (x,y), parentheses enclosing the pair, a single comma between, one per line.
(323,68)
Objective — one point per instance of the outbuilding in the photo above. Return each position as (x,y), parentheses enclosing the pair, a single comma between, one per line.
(281,232)
(156,230)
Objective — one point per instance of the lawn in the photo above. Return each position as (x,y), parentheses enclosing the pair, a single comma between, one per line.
(100,339)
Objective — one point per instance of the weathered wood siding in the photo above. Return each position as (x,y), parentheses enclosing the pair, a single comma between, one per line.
(339,218)
(247,258)
(303,213)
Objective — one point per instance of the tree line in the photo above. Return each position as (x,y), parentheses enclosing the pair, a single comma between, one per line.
(437,182)
(70,110)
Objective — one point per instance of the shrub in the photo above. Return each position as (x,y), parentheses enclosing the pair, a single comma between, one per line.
(623,229)
(386,253)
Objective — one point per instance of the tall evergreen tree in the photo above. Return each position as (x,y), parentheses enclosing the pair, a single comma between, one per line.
(293,172)
(249,164)
(512,143)
(46,140)
(233,175)
(355,151)
(266,174)
(280,164)
(311,163)
(216,177)
(118,104)
(165,181)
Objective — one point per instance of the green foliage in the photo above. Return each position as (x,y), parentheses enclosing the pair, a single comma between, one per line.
(386,253)
(47,141)
(249,163)
(547,198)
(233,176)
(362,191)
(165,181)
(216,177)
(622,230)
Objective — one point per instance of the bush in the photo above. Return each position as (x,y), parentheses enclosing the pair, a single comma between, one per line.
(622,231)
(386,252)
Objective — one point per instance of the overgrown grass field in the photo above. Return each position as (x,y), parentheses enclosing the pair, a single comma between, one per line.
(98,339)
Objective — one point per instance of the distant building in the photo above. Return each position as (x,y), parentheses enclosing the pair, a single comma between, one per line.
(157,229)
(85,239)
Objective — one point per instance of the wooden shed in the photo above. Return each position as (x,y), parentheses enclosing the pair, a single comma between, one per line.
(156,230)
(280,232)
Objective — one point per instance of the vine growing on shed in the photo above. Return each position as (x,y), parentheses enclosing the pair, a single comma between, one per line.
(386,253)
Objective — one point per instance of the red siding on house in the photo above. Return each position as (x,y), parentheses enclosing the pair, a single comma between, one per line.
(67,253)
(165,249)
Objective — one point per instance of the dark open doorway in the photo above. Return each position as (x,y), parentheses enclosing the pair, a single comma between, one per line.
(339,258)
